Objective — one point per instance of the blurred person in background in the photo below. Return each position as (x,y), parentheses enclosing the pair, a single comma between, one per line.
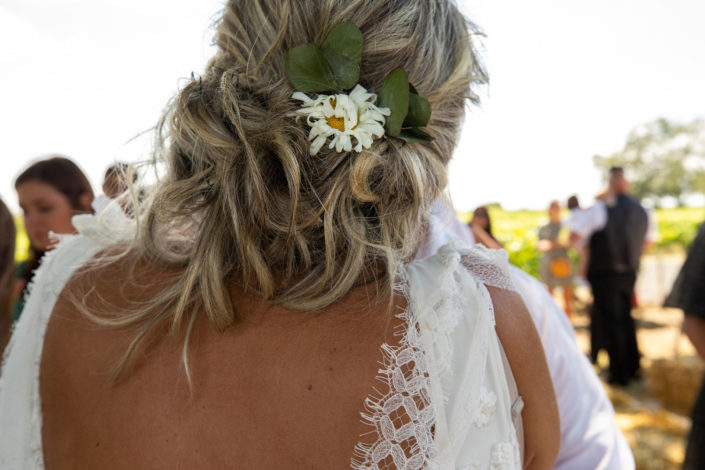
(582,223)
(7,270)
(615,252)
(50,193)
(556,266)
(115,179)
(481,227)
(688,294)
(115,184)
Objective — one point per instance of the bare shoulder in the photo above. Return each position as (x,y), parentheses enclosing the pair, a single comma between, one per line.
(262,390)
(115,278)
(522,345)
(79,356)
(107,286)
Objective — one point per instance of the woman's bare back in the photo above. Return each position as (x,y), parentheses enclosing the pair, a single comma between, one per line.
(279,389)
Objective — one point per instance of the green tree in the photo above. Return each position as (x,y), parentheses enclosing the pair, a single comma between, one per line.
(663,158)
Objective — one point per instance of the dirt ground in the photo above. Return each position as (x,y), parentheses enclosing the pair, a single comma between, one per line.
(653,412)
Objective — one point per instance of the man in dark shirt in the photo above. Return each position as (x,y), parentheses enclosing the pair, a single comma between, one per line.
(614,260)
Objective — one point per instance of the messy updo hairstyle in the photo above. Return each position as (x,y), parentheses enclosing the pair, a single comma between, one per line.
(244,202)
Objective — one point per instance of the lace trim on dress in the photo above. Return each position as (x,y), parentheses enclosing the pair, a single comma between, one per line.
(490,267)
(403,418)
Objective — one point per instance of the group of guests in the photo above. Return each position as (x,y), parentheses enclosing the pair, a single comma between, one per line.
(608,238)
(49,192)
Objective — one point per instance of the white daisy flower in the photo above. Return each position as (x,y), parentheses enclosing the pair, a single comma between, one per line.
(342,117)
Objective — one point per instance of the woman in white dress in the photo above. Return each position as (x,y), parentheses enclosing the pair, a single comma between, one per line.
(266,315)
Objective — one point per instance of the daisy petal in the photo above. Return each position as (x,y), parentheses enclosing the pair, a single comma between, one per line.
(302,97)
(317,144)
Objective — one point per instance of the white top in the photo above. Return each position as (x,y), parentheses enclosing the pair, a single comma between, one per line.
(590,438)
(585,222)
(456,396)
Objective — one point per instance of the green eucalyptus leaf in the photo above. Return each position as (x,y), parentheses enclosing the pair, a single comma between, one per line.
(419,111)
(414,134)
(308,70)
(345,39)
(345,72)
(394,95)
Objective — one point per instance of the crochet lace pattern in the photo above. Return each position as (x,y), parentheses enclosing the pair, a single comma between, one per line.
(403,419)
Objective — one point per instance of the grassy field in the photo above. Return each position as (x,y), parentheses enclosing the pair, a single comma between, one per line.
(518,231)
(22,242)
(677,227)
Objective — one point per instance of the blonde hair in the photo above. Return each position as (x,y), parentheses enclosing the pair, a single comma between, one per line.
(243,201)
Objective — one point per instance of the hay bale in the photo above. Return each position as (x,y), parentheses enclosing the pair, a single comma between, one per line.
(675,382)
(656,436)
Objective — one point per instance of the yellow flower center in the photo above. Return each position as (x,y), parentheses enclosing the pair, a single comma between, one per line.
(336,123)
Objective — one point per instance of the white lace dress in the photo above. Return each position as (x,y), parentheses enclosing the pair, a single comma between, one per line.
(449,404)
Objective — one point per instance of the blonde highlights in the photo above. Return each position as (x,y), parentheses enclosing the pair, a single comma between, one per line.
(243,202)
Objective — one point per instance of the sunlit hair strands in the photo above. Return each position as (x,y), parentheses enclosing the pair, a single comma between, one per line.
(244,202)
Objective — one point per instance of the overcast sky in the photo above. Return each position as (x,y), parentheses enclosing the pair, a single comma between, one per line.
(568,80)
